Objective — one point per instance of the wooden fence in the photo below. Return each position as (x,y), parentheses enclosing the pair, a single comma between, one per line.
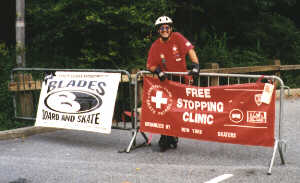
(23,83)
(26,83)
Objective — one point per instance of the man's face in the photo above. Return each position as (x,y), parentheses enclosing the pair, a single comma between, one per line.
(165,31)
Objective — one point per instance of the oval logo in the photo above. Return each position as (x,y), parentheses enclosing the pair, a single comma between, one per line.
(236,115)
(72,102)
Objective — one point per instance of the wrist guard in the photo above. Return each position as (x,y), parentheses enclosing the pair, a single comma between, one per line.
(195,70)
(161,75)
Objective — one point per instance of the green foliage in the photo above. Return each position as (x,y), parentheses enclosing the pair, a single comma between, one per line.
(277,37)
(7,121)
(291,78)
(91,34)
(117,34)
(6,110)
(216,50)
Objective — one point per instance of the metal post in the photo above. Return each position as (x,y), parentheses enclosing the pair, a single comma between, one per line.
(20,33)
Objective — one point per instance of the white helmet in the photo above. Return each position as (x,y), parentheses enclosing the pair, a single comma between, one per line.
(163,20)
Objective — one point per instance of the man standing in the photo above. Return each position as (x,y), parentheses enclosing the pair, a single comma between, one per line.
(168,53)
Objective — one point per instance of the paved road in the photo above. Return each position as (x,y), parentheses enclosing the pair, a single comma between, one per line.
(75,156)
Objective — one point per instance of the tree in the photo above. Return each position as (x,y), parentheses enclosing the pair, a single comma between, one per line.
(117,34)
(91,34)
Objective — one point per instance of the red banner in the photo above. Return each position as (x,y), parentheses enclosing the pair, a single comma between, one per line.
(238,114)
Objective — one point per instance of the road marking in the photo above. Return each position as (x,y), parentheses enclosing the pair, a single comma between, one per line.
(220,178)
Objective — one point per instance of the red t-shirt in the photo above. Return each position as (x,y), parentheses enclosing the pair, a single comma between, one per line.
(173,52)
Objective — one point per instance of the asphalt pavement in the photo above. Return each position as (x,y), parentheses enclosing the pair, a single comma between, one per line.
(64,156)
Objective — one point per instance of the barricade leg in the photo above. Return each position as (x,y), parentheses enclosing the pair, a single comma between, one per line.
(245,79)
(273,157)
(281,143)
(26,82)
(132,144)
(277,145)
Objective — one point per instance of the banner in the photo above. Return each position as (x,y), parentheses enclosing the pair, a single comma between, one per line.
(78,100)
(238,114)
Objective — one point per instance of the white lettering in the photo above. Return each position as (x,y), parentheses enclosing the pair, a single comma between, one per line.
(203,105)
(179,103)
(227,134)
(197,131)
(205,119)
(207,93)
(154,124)
(200,105)
(185,130)
(199,93)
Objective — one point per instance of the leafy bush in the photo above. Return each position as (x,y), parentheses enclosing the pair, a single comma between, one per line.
(7,120)
(90,34)
(216,50)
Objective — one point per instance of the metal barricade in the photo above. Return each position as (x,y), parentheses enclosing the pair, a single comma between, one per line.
(26,84)
(209,79)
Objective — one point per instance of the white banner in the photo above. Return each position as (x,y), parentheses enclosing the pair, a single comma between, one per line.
(79,101)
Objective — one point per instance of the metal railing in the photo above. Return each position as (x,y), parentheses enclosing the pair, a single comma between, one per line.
(26,84)
(226,79)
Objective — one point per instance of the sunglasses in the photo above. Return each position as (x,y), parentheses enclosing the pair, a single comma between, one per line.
(162,28)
